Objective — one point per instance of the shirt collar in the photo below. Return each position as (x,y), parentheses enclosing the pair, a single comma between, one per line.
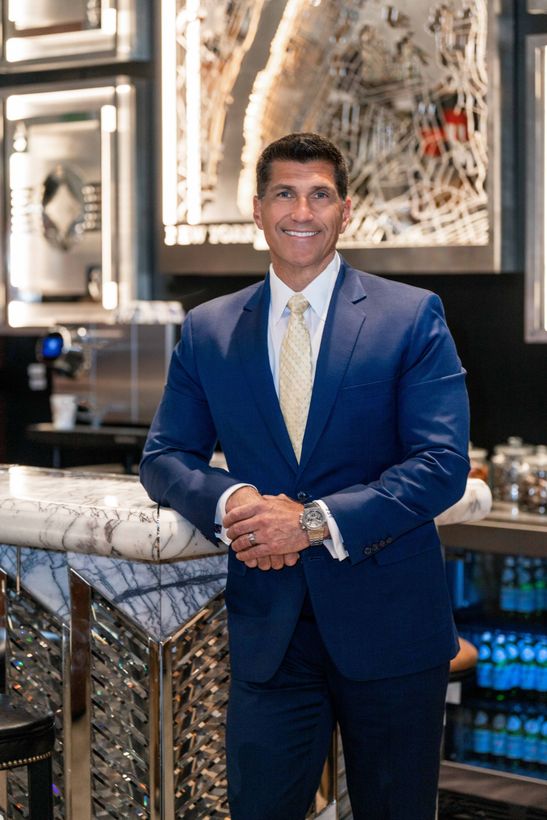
(318,292)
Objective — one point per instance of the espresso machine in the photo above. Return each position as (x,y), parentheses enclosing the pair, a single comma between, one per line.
(116,372)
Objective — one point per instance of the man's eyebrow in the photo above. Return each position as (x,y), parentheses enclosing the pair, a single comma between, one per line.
(285,185)
(281,185)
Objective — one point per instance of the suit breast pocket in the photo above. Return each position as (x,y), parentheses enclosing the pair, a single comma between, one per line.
(363,391)
(368,411)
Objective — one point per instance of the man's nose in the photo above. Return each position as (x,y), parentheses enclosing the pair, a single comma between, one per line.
(302,211)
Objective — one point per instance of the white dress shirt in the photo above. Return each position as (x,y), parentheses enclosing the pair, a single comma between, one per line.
(318,293)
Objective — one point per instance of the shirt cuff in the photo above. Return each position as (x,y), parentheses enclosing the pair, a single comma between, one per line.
(220,512)
(335,543)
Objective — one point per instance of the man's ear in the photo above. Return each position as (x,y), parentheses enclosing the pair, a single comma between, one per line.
(257,212)
(346,214)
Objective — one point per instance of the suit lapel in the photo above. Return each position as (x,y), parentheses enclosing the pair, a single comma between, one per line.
(344,321)
(252,340)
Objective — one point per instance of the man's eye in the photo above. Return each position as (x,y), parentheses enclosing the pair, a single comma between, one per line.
(284,194)
(321,195)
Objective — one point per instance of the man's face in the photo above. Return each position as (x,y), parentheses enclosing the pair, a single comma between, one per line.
(302,215)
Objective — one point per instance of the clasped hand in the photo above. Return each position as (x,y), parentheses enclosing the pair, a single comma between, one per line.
(275,522)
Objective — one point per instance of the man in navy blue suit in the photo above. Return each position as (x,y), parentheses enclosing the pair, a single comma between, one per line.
(340,404)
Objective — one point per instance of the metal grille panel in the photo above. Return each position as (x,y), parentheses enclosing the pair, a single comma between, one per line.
(200,675)
(119,716)
(35,674)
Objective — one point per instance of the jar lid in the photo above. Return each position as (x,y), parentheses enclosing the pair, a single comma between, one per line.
(514,447)
(513,452)
(477,452)
(537,460)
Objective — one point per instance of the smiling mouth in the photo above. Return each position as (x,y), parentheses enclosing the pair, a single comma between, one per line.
(300,234)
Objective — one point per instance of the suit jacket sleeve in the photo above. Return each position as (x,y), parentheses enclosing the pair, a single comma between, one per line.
(175,467)
(432,430)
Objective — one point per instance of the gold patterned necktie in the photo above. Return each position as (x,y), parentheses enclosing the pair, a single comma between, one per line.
(295,372)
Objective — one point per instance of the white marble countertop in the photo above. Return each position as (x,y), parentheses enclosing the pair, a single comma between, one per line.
(103,514)
(106,514)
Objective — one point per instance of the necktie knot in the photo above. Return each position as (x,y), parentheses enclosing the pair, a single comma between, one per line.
(298,304)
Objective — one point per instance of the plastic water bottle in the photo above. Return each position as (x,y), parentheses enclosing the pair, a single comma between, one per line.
(513,727)
(484,661)
(542,744)
(530,741)
(461,734)
(481,735)
(541,669)
(508,587)
(540,587)
(501,669)
(526,593)
(499,737)
(527,663)
(511,647)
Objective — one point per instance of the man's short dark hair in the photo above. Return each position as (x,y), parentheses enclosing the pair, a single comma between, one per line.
(305,147)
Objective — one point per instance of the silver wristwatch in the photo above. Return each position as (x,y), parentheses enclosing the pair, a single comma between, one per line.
(312,521)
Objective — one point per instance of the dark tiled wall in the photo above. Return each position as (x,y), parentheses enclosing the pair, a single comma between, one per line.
(507,379)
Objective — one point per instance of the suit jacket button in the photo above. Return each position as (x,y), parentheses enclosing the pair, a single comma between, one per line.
(382,543)
(303,496)
(389,539)
(367,550)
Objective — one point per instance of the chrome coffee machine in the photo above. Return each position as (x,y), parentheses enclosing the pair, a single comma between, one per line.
(117,371)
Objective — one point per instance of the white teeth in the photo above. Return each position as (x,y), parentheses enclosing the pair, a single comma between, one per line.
(302,233)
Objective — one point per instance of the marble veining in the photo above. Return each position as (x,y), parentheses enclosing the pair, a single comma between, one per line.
(8,560)
(157,598)
(185,593)
(44,574)
(112,516)
(90,513)
(474,504)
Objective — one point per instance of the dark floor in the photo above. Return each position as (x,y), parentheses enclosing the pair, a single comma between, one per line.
(454,806)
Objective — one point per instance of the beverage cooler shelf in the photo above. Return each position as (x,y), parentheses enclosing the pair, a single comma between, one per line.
(499,532)
(496,726)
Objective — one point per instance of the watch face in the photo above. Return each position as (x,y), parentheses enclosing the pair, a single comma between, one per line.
(314,517)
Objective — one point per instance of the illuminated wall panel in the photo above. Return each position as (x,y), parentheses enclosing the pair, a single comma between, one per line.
(70,182)
(407,89)
(50,33)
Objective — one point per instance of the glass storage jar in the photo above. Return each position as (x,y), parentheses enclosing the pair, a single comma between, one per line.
(479,463)
(509,465)
(533,495)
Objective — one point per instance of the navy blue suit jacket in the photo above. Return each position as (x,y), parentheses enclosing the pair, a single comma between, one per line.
(385,447)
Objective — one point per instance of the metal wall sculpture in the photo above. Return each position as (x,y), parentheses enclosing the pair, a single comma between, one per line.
(406,89)
(51,33)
